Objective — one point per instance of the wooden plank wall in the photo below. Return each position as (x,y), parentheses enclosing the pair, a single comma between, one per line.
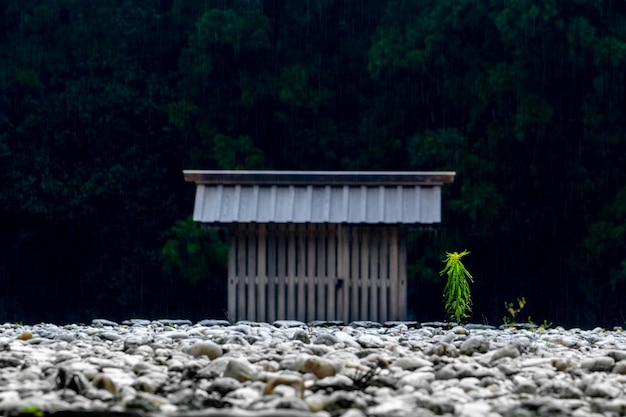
(312,272)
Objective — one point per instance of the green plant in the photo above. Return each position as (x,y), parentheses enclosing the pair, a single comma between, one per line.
(458,299)
(513,311)
(32,410)
(543,326)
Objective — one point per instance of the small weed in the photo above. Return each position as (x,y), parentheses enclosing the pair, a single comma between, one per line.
(32,410)
(458,299)
(513,311)
(543,326)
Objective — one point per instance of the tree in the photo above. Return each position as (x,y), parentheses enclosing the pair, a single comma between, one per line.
(510,94)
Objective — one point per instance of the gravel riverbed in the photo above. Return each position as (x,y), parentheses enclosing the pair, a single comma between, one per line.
(288,368)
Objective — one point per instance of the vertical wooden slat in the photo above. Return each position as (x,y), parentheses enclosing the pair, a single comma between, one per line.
(291,272)
(354,274)
(271,273)
(402,284)
(301,272)
(364,269)
(281,302)
(310,288)
(232,277)
(241,273)
(384,274)
(320,313)
(393,274)
(374,273)
(331,275)
(343,269)
(261,281)
(251,273)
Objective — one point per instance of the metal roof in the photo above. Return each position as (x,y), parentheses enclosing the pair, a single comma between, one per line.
(320,177)
(318,197)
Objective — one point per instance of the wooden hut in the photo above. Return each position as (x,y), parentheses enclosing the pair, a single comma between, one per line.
(309,245)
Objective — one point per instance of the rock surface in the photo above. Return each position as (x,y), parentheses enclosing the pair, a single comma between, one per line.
(213,368)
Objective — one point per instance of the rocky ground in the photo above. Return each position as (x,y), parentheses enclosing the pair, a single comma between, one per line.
(213,368)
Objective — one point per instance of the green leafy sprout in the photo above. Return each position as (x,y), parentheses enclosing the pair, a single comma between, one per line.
(32,410)
(458,299)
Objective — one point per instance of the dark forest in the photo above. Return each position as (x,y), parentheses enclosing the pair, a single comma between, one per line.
(104,103)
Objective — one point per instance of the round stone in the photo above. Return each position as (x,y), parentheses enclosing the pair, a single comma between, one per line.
(206,348)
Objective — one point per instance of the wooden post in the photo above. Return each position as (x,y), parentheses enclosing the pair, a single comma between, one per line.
(343,269)
(301,273)
(251,272)
(394,277)
(241,273)
(384,274)
(354,274)
(291,272)
(402,284)
(321,238)
(374,273)
(281,302)
(331,276)
(364,269)
(310,288)
(262,273)
(232,277)
(271,275)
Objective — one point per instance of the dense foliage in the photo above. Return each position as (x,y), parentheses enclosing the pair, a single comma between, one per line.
(104,103)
